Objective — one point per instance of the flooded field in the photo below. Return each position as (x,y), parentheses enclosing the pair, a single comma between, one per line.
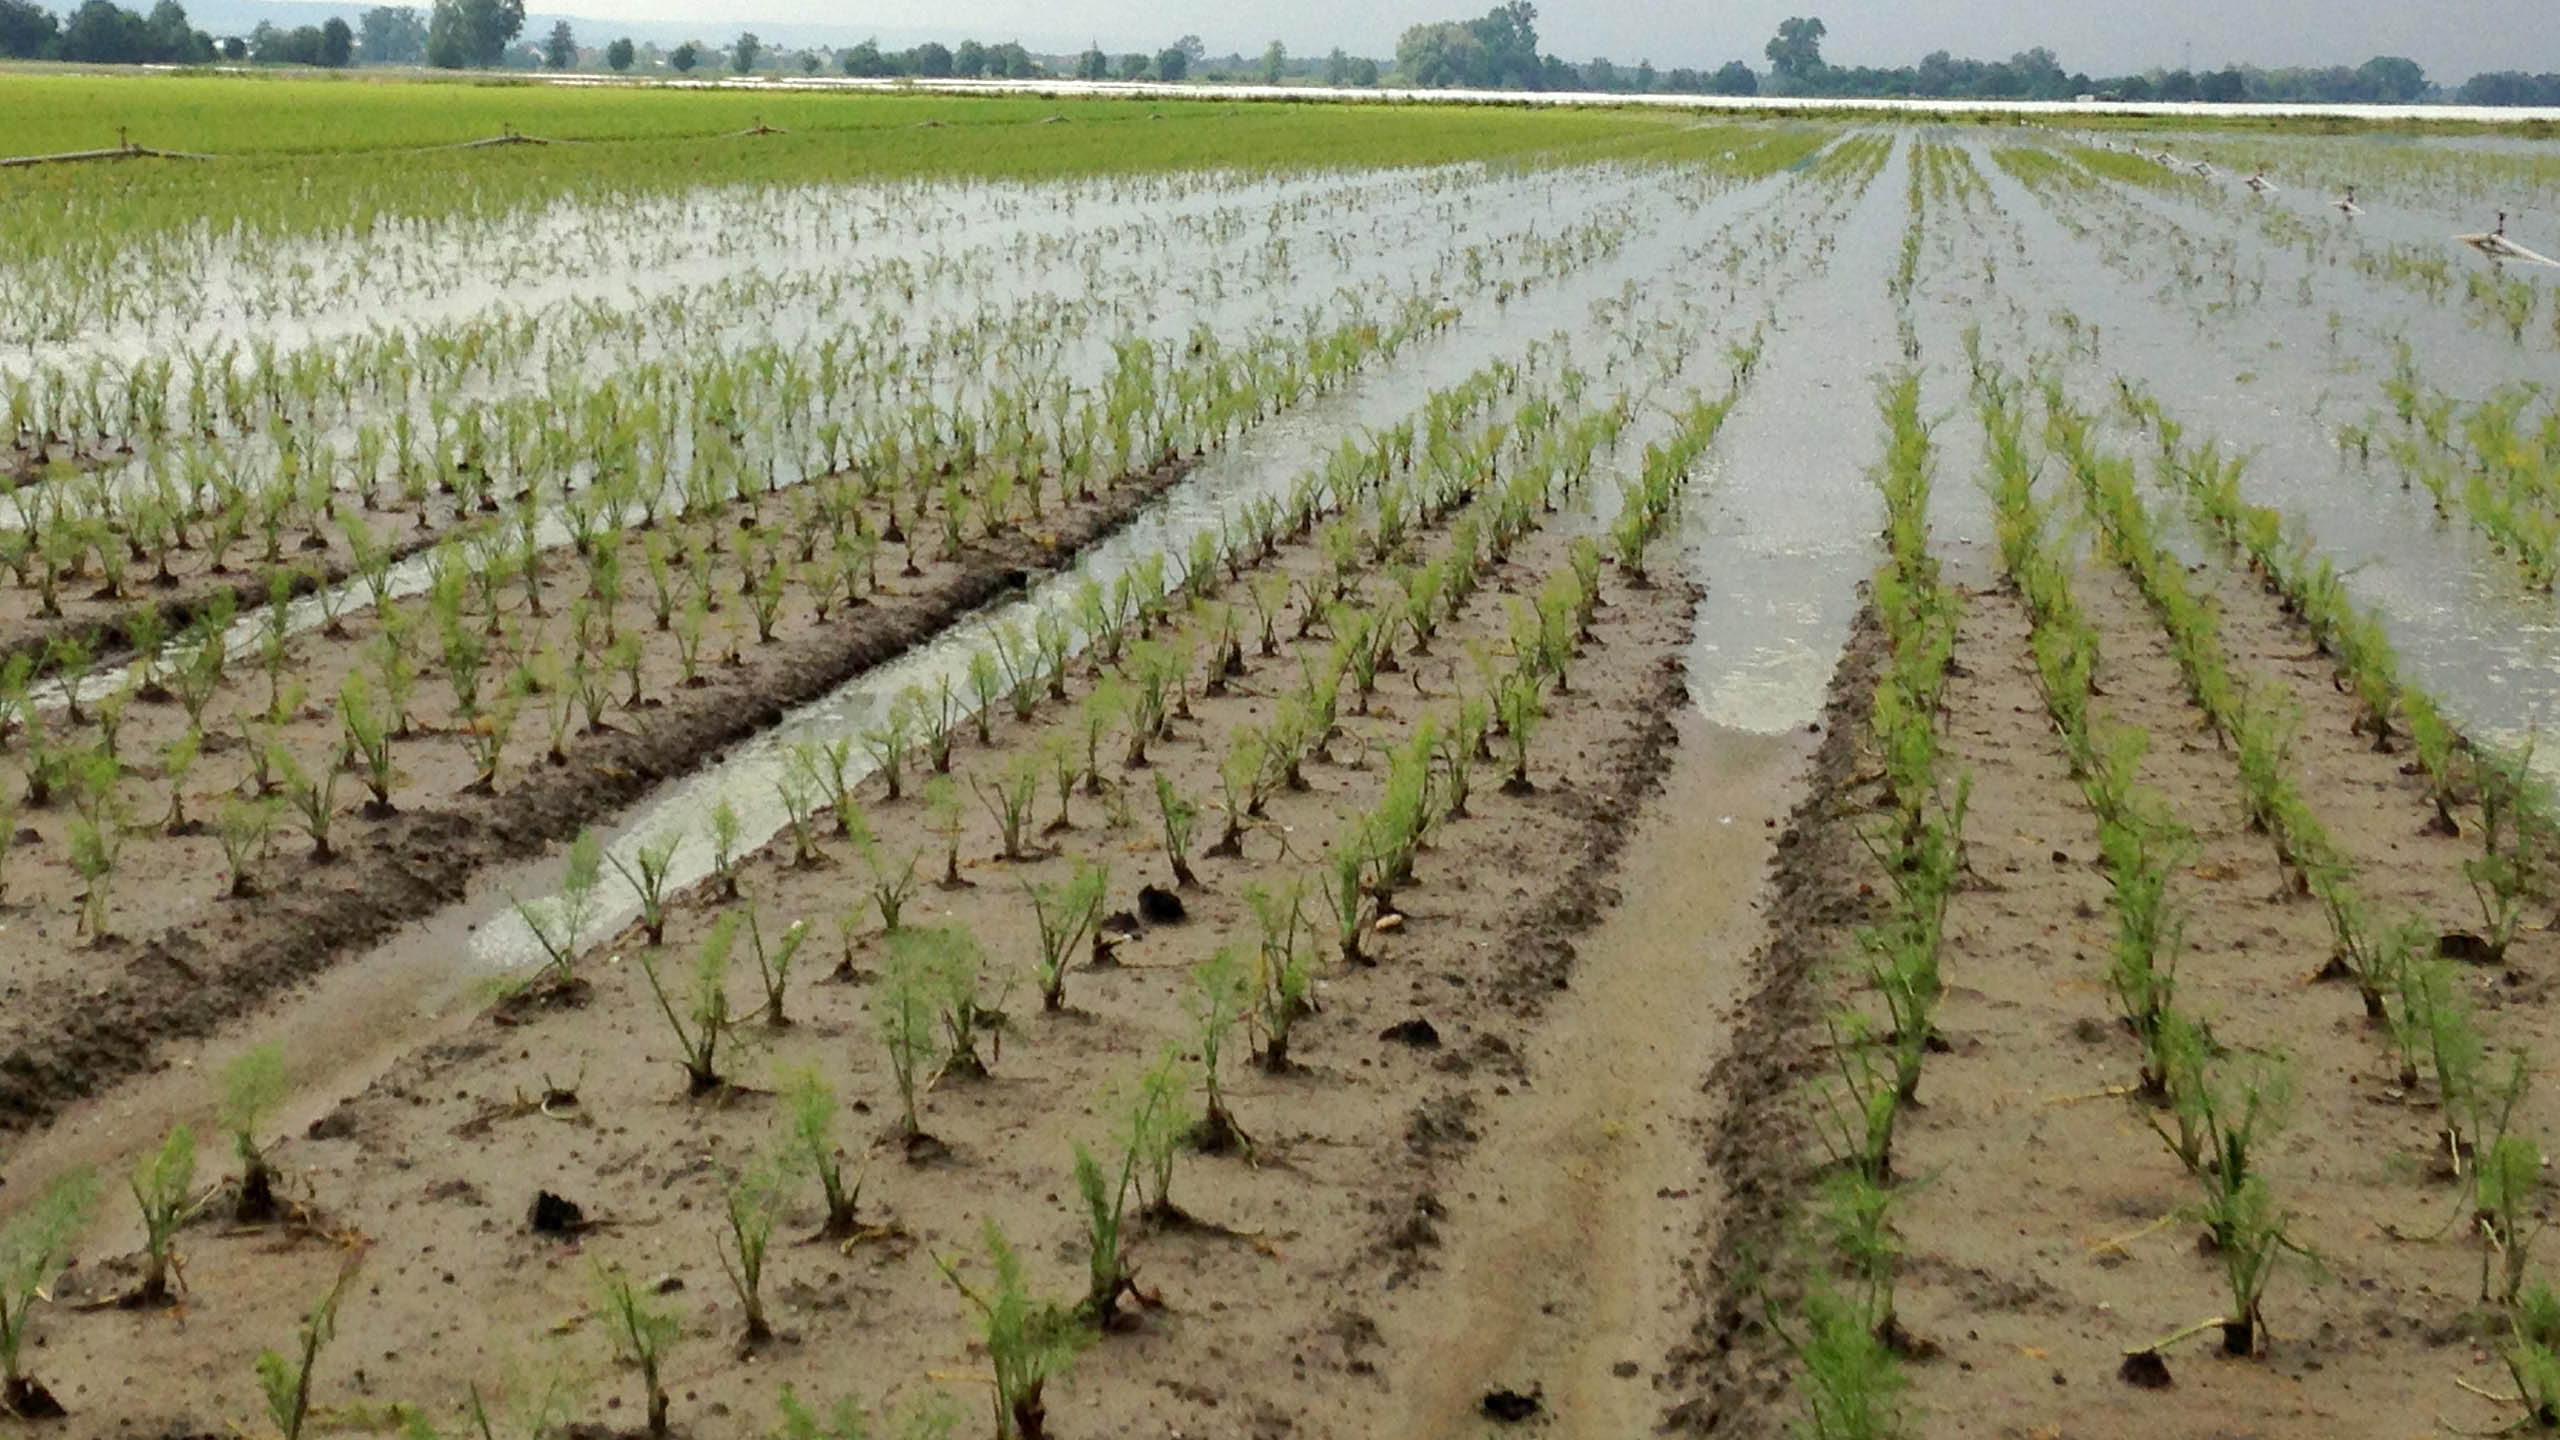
(1714,775)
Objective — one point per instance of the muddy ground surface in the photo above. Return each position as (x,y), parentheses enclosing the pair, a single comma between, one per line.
(1270,1306)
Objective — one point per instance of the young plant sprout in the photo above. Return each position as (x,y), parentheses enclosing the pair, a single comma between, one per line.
(942,809)
(285,1381)
(1107,1266)
(1010,799)
(750,1205)
(163,1185)
(1221,997)
(892,882)
(641,1336)
(1178,817)
(724,847)
(1029,1342)
(1516,702)
(2509,1182)
(1283,980)
(1066,914)
(33,1249)
(811,1139)
(904,1009)
(705,1018)
(253,1085)
(1851,1383)
(647,877)
(773,962)
(1155,1128)
(559,925)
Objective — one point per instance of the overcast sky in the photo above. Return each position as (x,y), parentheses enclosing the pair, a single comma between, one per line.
(2451,38)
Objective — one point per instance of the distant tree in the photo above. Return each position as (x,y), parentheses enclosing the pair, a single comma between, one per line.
(1795,53)
(472,32)
(1275,61)
(866,60)
(1011,61)
(393,35)
(2510,87)
(2178,85)
(969,61)
(337,43)
(618,55)
(809,62)
(686,56)
(233,48)
(2394,80)
(1438,55)
(172,40)
(28,31)
(1364,71)
(1093,64)
(1646,77)
(1498,50)
(1193,49)
(561,50)
(743,52)
(101,32)
(2224,86)
(1734,78)
(1337,67)
(1600,74)
(1173,63)
(1133,67)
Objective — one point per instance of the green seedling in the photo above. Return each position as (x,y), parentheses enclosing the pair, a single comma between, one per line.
(1029,1342)
(253,1086)
(163,1185)
(285,1381)
(641,1336)
(33,1249)
(704,1019)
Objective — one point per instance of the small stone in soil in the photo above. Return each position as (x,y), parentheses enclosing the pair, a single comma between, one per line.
(1510,1406)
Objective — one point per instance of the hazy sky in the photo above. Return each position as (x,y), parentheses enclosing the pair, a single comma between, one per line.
(2452,38)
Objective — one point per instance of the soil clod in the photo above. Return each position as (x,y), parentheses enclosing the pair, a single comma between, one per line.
(555,1215)
(2145,1370)
(1416,1032)
(1511,1406)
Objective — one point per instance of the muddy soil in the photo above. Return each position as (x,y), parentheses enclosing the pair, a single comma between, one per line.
(1268,1297)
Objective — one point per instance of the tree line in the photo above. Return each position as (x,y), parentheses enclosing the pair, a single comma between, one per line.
(1496,51)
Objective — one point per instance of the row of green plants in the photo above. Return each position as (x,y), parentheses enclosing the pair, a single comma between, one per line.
(2515,826)
(934,1007)
(570,664)
(2224,1108)
(2496,462)
(2416,998)
(1848,1343)
(2216,1110)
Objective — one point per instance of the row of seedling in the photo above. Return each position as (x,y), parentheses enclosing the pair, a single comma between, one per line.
(1176,648)
(573,662)
(1847,1340)
(2216,1110)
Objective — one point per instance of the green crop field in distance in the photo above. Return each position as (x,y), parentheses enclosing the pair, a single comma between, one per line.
(303,114)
